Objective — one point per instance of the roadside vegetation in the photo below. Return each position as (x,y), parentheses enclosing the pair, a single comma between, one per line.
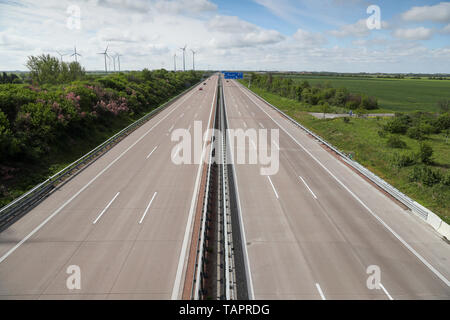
(315,98)
(411,150)
(393,93)
(59,114)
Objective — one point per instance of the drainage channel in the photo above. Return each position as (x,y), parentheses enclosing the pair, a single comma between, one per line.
(220,269)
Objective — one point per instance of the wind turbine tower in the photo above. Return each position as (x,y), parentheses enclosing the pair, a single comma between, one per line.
(193,59)
(75,54)
(175,62)
(61,55)
(184,53)
(118,59)
(105,54)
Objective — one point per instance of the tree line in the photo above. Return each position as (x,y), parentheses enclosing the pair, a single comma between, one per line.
(324,95)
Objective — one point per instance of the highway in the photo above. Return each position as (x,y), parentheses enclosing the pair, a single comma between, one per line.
(125,220)
(312,229)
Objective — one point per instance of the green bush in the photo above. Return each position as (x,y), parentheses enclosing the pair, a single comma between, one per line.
(397,125)
(446,179)
(414,133)
(427,128)
(426,175)
(402,160)
(443,122)
(425,153)
(37,120)
(396,142)
(382,133)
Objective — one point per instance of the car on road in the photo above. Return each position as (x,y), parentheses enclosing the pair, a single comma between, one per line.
(200,88)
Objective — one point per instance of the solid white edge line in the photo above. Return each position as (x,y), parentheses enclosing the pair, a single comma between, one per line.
(182,258)
(148,207)
(242,227)
(43,223)
(426,263)
(273,187)
(106,208)
(308,187)
(386,292)
(320,292)
(152,152)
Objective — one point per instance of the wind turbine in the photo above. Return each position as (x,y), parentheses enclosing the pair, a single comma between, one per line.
(193,59)
(175,62)
(61,55)
(184,53)
(105,55)
(114,62)
(118,59)
(75,54)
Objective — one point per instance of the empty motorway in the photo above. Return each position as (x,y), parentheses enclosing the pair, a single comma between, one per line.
(125,220)
(314,228)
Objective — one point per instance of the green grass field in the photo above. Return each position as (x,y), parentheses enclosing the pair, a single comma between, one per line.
(402,95)
(360,136)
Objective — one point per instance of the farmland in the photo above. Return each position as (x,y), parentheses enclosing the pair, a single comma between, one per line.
(398,95)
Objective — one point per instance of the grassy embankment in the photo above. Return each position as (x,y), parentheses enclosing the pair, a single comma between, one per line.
(360,136)
(44,128)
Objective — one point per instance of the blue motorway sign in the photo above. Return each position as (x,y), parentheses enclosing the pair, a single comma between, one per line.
(233,75)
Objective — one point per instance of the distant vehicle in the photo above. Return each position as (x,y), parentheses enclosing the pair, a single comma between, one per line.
(204,83)
(200,88)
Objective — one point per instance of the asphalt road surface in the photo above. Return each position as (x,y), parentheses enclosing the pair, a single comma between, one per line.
(313,229)
(124,220)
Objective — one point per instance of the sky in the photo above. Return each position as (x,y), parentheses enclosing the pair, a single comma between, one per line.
(285,35)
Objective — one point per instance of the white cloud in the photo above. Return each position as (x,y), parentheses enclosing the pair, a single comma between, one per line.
(180,6)
(230,24)
(232,32)
(436,13)
(420,33)
(308,39)
(250,39)
(446,29)
(358,29)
